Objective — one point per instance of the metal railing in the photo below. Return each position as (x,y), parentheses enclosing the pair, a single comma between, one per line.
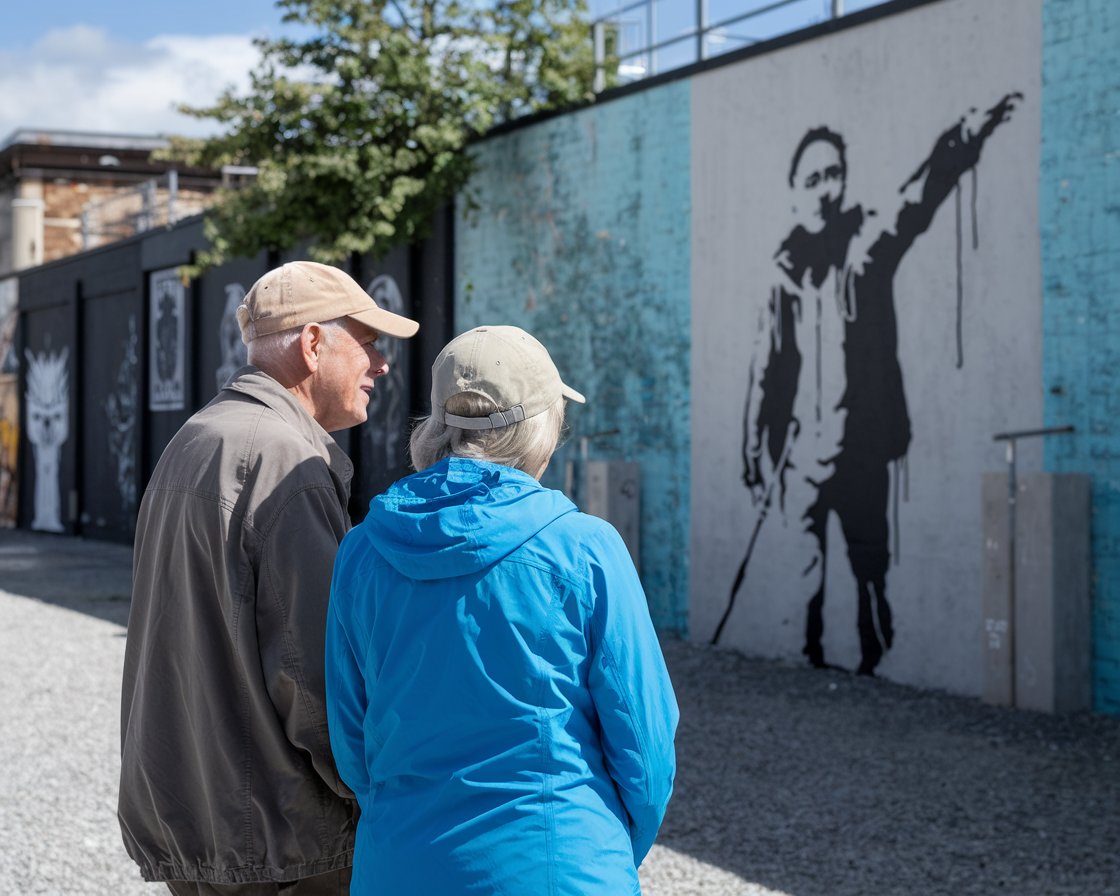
(621,58)
(159,202)
(153,203)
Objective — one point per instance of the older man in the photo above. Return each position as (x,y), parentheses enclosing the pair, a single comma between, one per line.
(227,781)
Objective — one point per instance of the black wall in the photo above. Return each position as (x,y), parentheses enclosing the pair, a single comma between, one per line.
(97,308)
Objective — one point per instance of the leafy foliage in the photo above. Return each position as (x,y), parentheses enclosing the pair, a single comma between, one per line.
(358,130)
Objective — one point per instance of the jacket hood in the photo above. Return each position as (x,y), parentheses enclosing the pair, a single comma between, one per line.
(458,517)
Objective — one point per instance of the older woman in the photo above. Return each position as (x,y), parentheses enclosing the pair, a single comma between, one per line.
(496,694)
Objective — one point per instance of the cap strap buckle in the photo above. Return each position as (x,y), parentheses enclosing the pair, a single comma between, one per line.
(494,421)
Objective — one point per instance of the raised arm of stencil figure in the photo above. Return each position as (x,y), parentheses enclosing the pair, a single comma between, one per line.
(955,152)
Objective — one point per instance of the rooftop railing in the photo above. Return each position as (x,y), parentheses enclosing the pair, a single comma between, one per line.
(644,38)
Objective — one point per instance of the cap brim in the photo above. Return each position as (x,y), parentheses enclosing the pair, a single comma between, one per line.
(571,394)
(377,318)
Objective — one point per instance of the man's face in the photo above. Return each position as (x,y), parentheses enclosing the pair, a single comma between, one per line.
(818,185)
(349,363)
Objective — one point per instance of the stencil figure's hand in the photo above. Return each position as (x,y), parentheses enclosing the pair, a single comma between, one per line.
(979,126)
(955,152)
(758,494)
(753,478)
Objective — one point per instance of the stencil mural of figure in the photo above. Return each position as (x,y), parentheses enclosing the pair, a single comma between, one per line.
(48,427)
(235,353)
(826,413)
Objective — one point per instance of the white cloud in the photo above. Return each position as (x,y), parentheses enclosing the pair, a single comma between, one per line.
(77,78)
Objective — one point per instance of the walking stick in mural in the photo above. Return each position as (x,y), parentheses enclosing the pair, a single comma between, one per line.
(764,507)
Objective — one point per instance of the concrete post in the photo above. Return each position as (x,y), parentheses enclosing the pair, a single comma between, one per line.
(1053,645)
(1040,634)
(611,490)
(996,632)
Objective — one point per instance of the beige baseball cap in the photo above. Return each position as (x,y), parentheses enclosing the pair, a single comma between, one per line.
(305,292)
(506,365)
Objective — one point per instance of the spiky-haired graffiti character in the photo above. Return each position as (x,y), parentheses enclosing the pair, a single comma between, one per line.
(48,427)
(383,434)
(234,353)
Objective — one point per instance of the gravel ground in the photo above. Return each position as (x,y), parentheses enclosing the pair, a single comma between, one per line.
(792,781)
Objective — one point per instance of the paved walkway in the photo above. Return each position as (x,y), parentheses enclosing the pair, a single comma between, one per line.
(792,782)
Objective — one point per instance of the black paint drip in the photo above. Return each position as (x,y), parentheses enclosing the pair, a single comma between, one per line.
(960,283)
(900,491)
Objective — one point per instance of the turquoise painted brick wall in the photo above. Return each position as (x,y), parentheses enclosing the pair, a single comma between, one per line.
(582,237)
(1079,211)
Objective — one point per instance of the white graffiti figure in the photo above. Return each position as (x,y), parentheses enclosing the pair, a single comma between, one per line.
(48,427)
(234,353)
(386,434)
(120,408)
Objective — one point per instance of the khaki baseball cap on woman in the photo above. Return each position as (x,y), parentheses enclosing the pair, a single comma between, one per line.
(506,365)
(305,292)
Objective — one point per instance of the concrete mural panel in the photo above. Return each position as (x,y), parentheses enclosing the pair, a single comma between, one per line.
(863,321)
(122,417)
(582,238)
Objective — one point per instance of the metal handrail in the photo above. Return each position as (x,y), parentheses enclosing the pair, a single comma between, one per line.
(697,32)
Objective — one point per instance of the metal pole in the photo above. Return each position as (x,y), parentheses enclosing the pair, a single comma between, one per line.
(172,196)
(701,29)
(599,41)
(837,8)
(1011,489)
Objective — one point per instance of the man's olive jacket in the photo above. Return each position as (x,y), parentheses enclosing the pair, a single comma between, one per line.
(226,769)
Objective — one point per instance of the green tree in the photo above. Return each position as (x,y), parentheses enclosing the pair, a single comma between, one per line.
(359,129)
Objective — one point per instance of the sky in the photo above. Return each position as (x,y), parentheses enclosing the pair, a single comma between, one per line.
(121,67)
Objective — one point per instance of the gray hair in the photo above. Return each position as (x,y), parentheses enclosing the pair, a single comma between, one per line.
(267,352)
(527,446)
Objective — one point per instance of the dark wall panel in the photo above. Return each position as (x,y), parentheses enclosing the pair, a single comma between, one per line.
(379,447)
(169,361)
(111,399)
(123,353)
(219,351)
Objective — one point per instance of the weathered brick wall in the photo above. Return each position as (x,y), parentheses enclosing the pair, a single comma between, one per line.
(1080,222)
(583,238)
(62,215)
(65,200)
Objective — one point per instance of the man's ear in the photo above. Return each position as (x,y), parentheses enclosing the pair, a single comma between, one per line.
(311,341)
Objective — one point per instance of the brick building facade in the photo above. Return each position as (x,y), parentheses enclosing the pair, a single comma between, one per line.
(62,192)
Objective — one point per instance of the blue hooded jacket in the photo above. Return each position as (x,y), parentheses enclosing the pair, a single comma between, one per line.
(496,695)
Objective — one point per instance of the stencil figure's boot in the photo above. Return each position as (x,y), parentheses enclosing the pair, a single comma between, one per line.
(876,632)
(814,630)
